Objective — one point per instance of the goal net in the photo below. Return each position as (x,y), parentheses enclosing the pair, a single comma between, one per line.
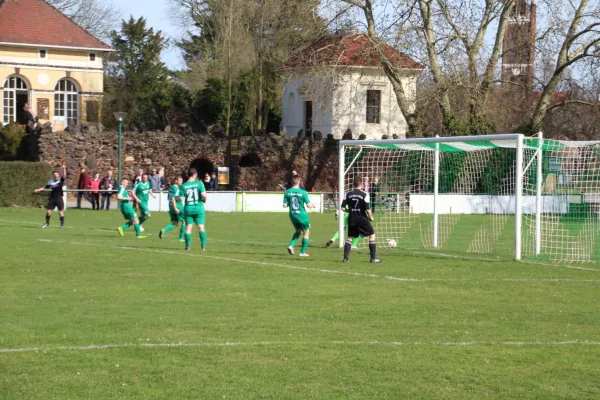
(499,195)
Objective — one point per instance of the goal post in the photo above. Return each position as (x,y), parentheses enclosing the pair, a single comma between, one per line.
(422,187)
(503,195)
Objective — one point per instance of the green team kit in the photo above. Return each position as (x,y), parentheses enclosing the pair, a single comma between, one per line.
(127,211)
(175,213)
(296,199)
(194,209)
(142,191)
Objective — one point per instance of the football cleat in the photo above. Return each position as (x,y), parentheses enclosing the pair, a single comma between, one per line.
(160,234)
(142,237)
(375,261)
(329,243)
(45,226)
(303,255)
(290,250)
(345,260)
(120,230)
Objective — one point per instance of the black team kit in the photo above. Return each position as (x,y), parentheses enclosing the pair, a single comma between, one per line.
(56,199)
(356,202)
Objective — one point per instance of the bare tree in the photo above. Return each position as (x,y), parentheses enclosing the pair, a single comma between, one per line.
(98,17)
(573,34)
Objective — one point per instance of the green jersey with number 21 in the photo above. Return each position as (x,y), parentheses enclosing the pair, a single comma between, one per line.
(192,191)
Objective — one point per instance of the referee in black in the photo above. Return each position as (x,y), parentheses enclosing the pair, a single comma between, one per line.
(56,196)
(356,202)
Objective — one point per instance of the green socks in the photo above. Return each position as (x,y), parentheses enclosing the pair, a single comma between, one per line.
(294,239)
(137,229)
(188,239)
(181,231)
(143,218)
(304,246)
(355,242)
(336,236)
(126,225)
(168,228)
(203,239)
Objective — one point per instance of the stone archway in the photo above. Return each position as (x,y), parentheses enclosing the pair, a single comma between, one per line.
(203,166)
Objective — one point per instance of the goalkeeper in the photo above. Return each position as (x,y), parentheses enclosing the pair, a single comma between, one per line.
(337,234)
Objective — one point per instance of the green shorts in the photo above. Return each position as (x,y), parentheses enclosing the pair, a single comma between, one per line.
(195,218)
(301,223)
(177,217)
(144,210)
(128,213)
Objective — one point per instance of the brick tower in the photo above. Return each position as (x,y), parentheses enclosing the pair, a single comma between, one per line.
(519,47)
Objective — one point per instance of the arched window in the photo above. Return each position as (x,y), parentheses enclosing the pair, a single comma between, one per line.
(291,106)
(66,101)
(15,96)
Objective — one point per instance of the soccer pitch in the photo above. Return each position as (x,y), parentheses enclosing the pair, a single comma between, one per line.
(87,314)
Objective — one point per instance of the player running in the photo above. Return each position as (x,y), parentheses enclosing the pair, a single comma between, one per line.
(356,203)
(140,193)
(56,196)
(175,210)
(127,210)
(195,197)
(296,198)
(337,234)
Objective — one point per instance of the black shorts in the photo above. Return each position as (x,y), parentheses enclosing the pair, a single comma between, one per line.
(56,202)
(360,226)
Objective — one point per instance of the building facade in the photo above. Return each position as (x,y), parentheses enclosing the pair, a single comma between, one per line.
(337,84)
(519,47)
(50,63)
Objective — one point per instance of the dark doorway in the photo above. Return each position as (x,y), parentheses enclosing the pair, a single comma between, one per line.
(22,99)
(250,160)
(308,115)
(203,166)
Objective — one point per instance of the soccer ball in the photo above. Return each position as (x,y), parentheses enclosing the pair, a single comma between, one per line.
(392,244)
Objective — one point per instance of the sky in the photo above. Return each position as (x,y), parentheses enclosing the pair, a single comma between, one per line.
(157,16)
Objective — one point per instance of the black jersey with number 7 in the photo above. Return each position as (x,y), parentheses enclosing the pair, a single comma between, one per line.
(357,202)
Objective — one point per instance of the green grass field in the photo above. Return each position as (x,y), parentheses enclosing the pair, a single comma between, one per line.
(87,314)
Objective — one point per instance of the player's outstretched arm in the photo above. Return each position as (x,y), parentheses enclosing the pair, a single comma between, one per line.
(38,190)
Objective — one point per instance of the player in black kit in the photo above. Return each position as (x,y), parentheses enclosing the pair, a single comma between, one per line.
(356,202)
(56,196)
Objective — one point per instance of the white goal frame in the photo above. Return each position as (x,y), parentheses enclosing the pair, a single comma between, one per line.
(519,174)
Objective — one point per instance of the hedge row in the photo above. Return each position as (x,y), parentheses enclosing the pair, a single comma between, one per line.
(18,179)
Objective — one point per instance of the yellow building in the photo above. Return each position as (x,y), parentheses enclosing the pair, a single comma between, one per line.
(49,62)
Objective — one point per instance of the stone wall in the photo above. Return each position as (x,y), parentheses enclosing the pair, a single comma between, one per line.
(266,160)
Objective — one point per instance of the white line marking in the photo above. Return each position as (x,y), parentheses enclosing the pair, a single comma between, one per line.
(413,251)
(283,343)
(332,271)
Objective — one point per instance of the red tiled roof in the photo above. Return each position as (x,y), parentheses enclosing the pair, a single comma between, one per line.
(351,50)
(37,22)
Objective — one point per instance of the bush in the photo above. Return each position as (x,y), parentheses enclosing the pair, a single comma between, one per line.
(19,179)
(10,141)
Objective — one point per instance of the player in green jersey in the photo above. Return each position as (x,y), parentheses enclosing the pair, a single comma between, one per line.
(175,210)
(337,233)
(195,197)
(127,210)
(295,199)
(140,193)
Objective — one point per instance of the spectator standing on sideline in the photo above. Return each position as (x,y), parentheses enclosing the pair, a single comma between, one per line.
(375,188)
(108,184)
(83,185)
(207,181)
(29,117)
(95,191)
(155,180)
(163,183)
(366,186)
(214,182)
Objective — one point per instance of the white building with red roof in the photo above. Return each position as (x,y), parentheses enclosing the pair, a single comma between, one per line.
(50,63)
(338,84)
